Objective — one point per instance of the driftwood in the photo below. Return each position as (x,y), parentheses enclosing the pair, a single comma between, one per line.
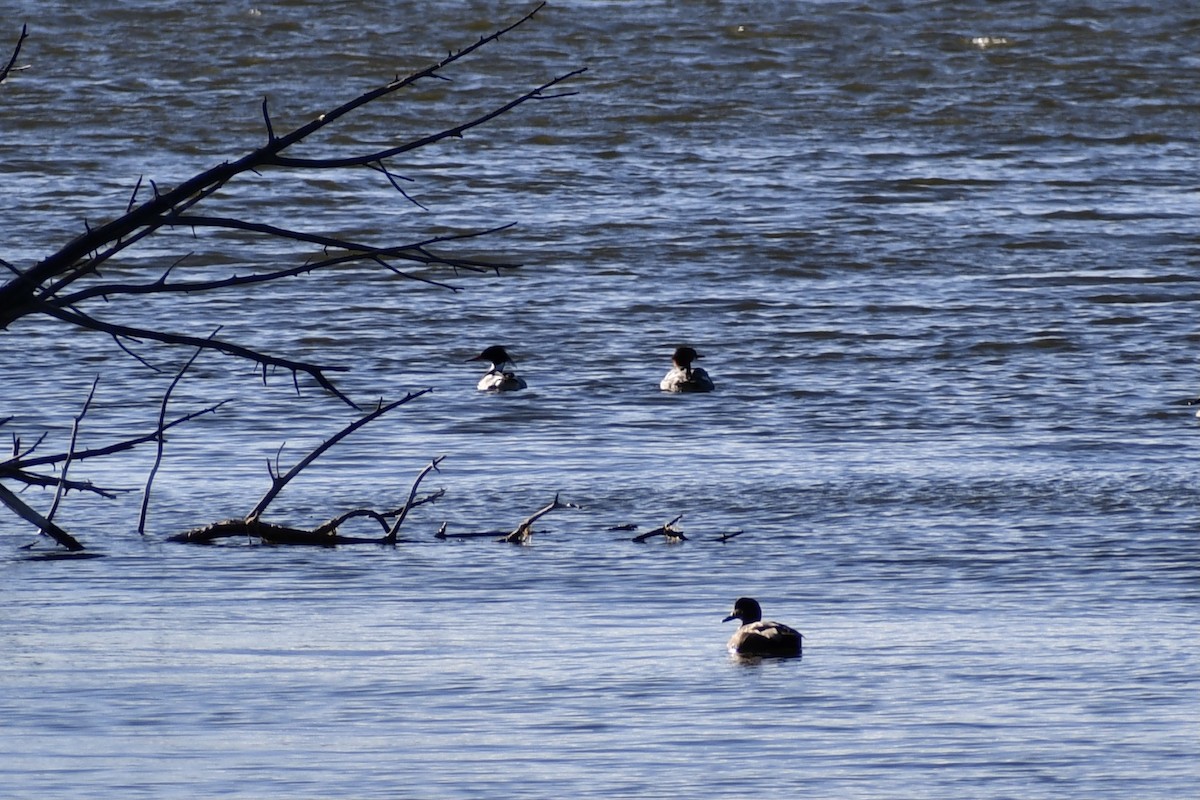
(668,530)
(253,526)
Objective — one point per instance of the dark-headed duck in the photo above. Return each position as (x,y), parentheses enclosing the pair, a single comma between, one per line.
(683,377)
(758,638)
(498,379)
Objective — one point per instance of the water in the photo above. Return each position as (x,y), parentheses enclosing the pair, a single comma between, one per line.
(939,258)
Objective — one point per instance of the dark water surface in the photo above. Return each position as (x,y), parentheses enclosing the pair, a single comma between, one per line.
(940,258)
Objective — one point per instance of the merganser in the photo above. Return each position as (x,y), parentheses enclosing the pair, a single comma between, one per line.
(497,379)
(758,638)
(683,377)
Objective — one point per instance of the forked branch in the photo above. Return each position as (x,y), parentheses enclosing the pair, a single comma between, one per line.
(58,285)
(278,482)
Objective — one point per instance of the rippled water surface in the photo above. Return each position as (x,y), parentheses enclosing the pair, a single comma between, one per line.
(940,259)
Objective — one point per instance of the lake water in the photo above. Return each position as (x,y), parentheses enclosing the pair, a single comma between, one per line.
(940,259)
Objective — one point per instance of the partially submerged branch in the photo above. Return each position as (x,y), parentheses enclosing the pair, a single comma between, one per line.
(669,530)
(18,507)
(252,526)
(160,439)
(521,534)
(278,482)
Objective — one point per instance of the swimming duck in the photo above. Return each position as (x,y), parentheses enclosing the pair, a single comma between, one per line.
(497,379)
(758,638)
(683,377)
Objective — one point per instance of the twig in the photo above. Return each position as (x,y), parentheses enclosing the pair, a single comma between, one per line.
(314,371)
(160,439)
(62,478)
(118,447)
(408,504)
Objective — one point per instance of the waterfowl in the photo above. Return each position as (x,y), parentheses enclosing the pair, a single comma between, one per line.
(683,377)
(498,379)
(758,638)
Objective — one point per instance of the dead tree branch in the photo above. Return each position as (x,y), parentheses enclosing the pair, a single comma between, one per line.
(410,503)
(32,517)
(60,283)
(11,66)
(161,440)
(521,534)
(62,477)
(669,530)
(326,534)
(278,482)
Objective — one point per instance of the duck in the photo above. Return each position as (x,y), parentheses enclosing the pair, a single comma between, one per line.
(498,379)
(683,377)
(758,638)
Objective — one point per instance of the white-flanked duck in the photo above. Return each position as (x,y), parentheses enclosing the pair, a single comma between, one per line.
(498,379)
(756,637)
(683,377)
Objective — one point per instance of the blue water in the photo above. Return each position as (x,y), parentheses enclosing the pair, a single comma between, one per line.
(940,261)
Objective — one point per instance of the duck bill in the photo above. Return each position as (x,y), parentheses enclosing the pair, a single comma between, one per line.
(731,616)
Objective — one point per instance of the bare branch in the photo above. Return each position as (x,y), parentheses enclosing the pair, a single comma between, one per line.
(668,530)
(133,195)
(161,439)
(278,482)
(453,132)
(11,65)
(314,371)
(522,532)
(412,494)
(43,525)
(267,120)
(44,287)
(62,478)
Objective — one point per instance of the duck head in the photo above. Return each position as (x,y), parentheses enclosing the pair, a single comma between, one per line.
(495,354)
(683,357)
(746,609)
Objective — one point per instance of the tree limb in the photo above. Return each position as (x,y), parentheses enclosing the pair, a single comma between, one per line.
(62,478)
(522,532)
(317,373)
(44,525)
(409,503)
(160,438)
(278,482)
(42,288)
(669,530)
(11,65)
